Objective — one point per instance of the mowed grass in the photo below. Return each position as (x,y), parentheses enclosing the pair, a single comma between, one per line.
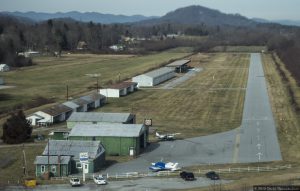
(210,102)
(51,75)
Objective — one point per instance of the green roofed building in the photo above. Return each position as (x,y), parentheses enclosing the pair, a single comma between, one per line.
(99,117)
(117,138)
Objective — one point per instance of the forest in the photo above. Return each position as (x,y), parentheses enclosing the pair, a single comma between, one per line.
(54,36)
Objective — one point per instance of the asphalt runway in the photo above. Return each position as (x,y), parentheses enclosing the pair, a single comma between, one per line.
(258,136)
(255,141)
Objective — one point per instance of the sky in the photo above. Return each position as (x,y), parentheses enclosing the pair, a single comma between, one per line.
(266,9)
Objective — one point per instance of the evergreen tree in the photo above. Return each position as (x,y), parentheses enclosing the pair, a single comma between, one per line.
(16,129)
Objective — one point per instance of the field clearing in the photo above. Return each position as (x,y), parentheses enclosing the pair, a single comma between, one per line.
(51,75)
(210,102)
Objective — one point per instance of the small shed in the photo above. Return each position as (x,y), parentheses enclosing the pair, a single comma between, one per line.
(120,89)
(73,148)
(72,105)
(94,100)
(154,77)
(60,134)
(4,68)
(83,104)
(99,117)
(179,66)
(58,165)
(117,139)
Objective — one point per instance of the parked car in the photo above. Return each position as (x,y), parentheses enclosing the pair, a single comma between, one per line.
(99,180)
(75,182)
(212,175)
(188,176)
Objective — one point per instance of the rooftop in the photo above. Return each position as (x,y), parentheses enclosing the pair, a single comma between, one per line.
(57,110)
(52,160)
(122,85)
(73,148)
(158,72)
(107,130)
(92,97)
(178,63)
(71,104)
(100,117)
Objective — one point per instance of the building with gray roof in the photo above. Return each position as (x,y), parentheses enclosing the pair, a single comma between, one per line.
(179,65)
(73,148)
(117,138)
(154,77)
(98,117)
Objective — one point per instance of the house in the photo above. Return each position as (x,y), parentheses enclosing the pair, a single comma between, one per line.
(179,66)
(73,148)
(117,138)
(154,77)
(97,117)
(94,100)
(118,90)
(58,165)
(4,68)
(82,45)
(50,115)
(1,81)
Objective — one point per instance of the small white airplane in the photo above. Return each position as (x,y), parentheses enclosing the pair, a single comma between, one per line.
(160,166)
(166,137)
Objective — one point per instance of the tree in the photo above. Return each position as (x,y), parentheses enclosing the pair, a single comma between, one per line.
(16,129)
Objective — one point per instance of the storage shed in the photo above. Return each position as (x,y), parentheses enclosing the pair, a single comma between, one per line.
(179,66)
(99,117)
(73,148)
(117,139)
(154,77)
(94,100)
(58,165)
(120,89)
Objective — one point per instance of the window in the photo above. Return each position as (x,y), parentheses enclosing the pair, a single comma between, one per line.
(94,122)
(78,165)
(43,168)
(53,168)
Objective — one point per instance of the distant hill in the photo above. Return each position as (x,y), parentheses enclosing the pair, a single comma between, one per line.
(282,22)
(84,17)
(201,15)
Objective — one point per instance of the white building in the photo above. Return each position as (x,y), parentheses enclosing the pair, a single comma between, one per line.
(154,77)
(118,90)
(4,68)
(53,114)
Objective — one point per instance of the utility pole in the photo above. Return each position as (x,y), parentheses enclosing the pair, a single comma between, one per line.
(67,92)
(97,80)
(25,163)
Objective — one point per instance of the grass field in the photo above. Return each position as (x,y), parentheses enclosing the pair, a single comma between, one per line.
(51,75)
(209,103)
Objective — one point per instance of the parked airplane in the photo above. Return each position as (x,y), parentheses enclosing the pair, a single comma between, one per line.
(160,166)
(166,137)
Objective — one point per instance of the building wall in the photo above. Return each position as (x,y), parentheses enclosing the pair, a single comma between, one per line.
(163,78)
(110,92)
(65,170)
(114,145)
(1,81)
(143,80)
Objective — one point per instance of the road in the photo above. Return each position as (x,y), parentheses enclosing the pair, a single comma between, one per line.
(258,136)
(149,184)
(255,141)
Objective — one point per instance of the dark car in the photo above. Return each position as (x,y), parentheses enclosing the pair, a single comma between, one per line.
(189,176)
(212,175)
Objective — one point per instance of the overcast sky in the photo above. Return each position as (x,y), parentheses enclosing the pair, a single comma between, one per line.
(267,9)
